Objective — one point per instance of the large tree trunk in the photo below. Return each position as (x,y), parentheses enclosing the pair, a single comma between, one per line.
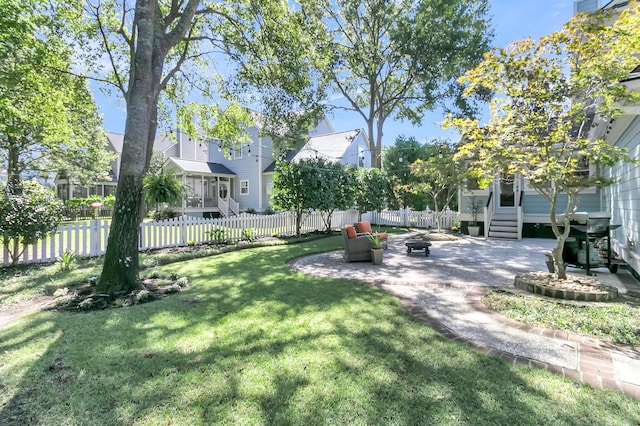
(120,271)
(375,146)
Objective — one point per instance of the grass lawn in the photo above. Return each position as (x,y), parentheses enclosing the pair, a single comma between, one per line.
(253,342)
(616,323)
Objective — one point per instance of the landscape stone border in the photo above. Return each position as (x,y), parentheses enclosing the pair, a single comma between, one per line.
(575,287)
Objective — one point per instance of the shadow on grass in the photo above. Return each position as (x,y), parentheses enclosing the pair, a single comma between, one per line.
(253,342)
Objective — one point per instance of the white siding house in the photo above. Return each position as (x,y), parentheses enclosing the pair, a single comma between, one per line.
(222,183)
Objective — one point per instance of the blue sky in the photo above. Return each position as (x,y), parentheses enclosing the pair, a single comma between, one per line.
(511,20)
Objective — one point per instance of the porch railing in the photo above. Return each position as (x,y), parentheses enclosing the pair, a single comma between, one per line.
(234,206)
(488,214)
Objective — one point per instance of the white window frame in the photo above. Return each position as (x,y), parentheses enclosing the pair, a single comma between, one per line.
(590,190)
(237,154)
(244,187)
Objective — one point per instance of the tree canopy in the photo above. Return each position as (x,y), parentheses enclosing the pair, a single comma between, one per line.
(29,212)
(48,119)
(438,176)
(399,58)
(552,94)
(372,187)
(159,55)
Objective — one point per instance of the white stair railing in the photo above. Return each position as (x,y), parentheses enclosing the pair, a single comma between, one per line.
(234,206)
(223,206)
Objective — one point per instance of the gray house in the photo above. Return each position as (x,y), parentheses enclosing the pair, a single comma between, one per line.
(509,205)
(227,183)
(622,200)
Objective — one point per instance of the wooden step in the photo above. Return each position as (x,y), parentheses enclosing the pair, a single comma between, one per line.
(503,228)
(504,235)
(513,224)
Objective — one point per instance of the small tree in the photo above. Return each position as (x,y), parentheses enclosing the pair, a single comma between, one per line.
(337,189)
(550,93)
(439,177)
(371,190)
(312,184)
(397,159)
(29,212)
(295,187)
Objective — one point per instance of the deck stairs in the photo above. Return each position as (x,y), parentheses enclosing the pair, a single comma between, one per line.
(504,226)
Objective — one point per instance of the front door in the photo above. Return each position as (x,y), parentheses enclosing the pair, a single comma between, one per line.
(506,189)
(223,190)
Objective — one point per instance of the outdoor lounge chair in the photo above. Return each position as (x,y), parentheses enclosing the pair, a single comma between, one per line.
(357,247)
(364,227)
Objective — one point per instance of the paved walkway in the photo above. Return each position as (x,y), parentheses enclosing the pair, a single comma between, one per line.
(444,291)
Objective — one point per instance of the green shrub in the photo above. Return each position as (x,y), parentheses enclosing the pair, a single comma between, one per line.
(66,259)
(218,235)
(163,214)
(29,212)
(249,234)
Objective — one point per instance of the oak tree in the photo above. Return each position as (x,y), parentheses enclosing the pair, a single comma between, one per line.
(399,59)
(159,55)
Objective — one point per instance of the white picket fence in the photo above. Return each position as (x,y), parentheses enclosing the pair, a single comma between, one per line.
(89,238)
(426,219)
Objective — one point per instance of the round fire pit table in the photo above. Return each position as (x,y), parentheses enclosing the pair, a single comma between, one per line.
(418,245)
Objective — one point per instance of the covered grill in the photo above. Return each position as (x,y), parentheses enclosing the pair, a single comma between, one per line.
(589,242)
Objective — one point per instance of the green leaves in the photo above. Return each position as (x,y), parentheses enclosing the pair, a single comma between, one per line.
(47,115)
(371,189)
(163,187)
(551,91)
(553,95)
(313,184)
(29,212)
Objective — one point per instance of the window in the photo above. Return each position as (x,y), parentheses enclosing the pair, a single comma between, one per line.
(244,187)
(472,184)
(237,153)
(582,168)
(361,162)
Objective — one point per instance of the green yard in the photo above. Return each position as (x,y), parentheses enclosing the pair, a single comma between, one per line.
(253,342)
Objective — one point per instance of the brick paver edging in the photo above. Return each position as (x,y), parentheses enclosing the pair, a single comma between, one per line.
(595,360)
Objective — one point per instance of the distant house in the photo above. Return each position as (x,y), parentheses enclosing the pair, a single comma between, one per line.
(226,183)
(350,147)
(105,185)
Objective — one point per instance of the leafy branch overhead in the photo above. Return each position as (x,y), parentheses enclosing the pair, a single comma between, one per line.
(390,58)
(554,99)
(160,55)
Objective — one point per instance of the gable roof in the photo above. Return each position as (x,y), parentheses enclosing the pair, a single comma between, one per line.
(116,140)
(161,142)
(201,167)
(329,147)
(259,122)
(287,157)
